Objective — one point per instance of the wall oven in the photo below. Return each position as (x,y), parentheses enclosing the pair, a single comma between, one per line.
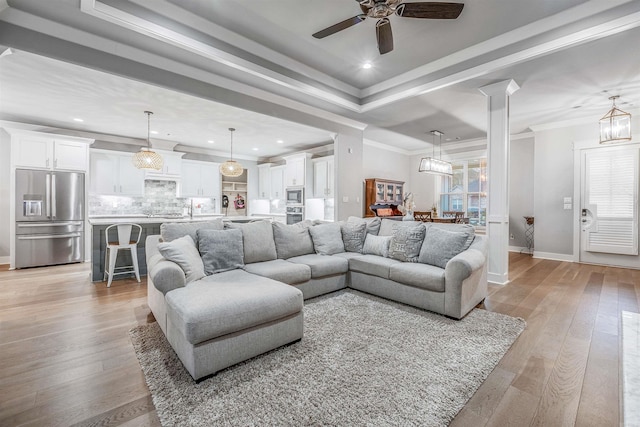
(295,214)
(295,195)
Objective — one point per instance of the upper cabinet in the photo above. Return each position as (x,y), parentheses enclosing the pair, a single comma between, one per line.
(295,171)
(200,179)
(276,174)
(323,177)
(113,173)
(36,150)
(264,181)
(171,167)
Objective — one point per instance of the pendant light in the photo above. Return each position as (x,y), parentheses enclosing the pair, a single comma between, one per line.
(146,158)
(231,168)
(615,126)
(431,164)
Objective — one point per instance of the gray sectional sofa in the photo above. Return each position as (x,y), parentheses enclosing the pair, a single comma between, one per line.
(225,292)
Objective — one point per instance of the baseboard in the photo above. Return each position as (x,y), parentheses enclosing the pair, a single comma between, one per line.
(5,260)
(553,256)
(497,279)
(520,250)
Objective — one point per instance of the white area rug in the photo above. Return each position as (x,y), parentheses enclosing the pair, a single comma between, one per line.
(363,361)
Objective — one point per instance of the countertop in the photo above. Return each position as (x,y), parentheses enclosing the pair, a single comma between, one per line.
(144,219)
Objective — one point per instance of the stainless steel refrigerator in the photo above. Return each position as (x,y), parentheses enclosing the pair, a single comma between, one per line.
(49,218)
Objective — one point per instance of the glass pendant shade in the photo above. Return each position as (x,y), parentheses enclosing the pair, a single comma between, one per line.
(146,158)
(431,164)
(231,168)
(615,126)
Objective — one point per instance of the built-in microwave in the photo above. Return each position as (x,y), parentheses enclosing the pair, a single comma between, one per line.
(295,195)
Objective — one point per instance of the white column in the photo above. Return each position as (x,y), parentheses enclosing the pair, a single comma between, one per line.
(498,178)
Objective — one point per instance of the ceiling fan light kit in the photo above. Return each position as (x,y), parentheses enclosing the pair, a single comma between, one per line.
(615,126)
(146,158)
(382,9)
(434,166)
(231,168)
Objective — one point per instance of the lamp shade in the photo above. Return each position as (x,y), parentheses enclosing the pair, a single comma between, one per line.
(231,168)
(435,166)
(147,159)
(615,126)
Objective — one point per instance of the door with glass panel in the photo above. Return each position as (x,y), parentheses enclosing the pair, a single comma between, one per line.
(609,206)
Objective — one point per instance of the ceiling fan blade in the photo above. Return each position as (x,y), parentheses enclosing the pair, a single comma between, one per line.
(384,36)
(339,26)
(430,10)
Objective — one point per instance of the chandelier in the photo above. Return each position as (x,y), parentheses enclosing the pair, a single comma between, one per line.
(145,158)
(231,168)
(615,126)
(431,164)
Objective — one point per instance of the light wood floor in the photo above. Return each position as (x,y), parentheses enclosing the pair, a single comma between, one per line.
(66,357)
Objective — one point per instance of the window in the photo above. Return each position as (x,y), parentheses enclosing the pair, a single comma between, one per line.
(466,191)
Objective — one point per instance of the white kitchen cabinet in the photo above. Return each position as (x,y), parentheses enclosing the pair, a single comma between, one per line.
(323,178)
(113,173)
(37,150)
(171,166)
(264,181)
(200,179)
(276,174)
(295,171)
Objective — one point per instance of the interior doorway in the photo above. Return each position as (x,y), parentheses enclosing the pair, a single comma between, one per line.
(608,206)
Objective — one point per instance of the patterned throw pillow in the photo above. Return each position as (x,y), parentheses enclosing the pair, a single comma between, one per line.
(406,243)
(376,245)
(353,234)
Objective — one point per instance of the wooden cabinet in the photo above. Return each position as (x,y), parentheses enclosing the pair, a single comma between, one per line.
(36,150)
(276,175)
(113,173)
(171,167)
(264,181)
(200,179)
(382,191)
(295,170)
(323,177)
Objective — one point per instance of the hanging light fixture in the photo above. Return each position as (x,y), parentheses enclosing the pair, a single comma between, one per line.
(431,164)
(231,168)
(615,126)
(146,158)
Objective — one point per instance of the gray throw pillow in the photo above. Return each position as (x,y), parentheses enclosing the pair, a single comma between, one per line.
(292,240)
(353,234)
(373,224)
(183,252)
(441,245)
(459,228)
(406,242)
(221,250)
(327,238)
(174,230)
(376,245)
(257,240)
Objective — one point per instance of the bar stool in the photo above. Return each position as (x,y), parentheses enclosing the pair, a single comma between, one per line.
(125,241)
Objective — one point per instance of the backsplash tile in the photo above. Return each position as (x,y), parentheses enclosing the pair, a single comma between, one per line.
(159,199)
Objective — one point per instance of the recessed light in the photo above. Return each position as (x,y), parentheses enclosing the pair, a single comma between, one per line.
(280,141)
(367,65)
(255,149)
(210,141)
(78,120)
(154,132)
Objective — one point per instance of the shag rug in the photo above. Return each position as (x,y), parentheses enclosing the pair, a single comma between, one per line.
(362,361)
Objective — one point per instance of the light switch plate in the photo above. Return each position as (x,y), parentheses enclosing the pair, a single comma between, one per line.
(567,200)
(567,206)
(345,199)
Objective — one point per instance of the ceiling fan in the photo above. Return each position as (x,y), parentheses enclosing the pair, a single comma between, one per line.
(382,9)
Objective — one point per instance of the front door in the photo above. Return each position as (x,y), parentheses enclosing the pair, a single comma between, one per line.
(609,206)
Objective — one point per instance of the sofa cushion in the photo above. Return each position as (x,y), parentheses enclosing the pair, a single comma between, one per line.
(281,270)
(327,238)
(292,240)
(376,245)
(441,245)
(183,252)
(229,302)
(388,225)
(322,265)
(173,230)
(353,234)
(372,264)
(221,250)
(406,242)
(257,240)
(422,276)
(347,255)
(373,223)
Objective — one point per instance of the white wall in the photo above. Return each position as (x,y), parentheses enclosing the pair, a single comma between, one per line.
(5,191)
(348,151)
(521,188)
